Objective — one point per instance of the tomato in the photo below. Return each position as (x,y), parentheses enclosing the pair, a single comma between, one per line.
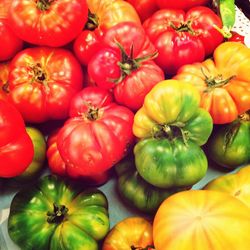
(42,82)
(180,4)
(130,233)
(229,144)
(145,8)
(4,86)
(103,14)
(16,148)
(57,214)
(236,37)
(48,22)
(126,66)
(97,135)
(183,38)
(58,166)
(171,128)
(223,82)
(201,219)
(10,43)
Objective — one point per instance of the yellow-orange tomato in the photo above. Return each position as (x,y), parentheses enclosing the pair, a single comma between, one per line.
(202,220)
(236,184)
(223,82)
(130,233)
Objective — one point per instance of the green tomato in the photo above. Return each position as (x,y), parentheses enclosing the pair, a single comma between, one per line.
(170,164)
(57,215)
(229,145)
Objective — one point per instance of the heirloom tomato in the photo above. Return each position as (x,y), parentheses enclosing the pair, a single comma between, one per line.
(47,22)
(58,166)
(229,144)
(16,148)
(183,38)
(237,184)
(102,15)
(4,75)
(223,82)
(126,65)
(171,128)
(97,135)
(130,233)
(42,81)
(54,214)
(201,219)
(180,4)
(135,191)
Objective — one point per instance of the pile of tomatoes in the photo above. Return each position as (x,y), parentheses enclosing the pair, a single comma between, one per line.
(150,89)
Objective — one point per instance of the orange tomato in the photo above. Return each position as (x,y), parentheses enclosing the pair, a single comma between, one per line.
(202,219)
(223,82)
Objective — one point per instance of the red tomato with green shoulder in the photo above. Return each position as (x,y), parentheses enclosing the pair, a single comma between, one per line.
(183,37)
(180,4)
(42,81)
(16,148)
(48,22)
(97,135)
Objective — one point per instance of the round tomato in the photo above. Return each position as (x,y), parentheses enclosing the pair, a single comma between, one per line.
(97,135)
(42,82)
(130,233)
(126,65)
(180,4)
(4,86)
(229,144)
(183,38)
(48,22)
(102,15)
(201,219)
(16,148)
(223,82)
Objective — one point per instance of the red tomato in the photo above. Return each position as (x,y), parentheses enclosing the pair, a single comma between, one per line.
(48,22)
(103,14)
(126,65)
(42,82)
(16,148)
(145,8)
(4,86)
(97,135)
(183,38)
(10,43)
(180,4)
(236,37)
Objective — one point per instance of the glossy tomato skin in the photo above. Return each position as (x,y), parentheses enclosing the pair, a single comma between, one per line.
(42,82)
(237,37)
(115,68)
(97,135)
(180,4)
(48,23)
(10,43)
(130,233)
(16,148)
(106,14)
(182,37)
(223,84)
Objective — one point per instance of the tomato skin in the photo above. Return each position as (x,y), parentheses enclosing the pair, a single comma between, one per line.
(224,101)
(128,233)
(180,4)
(42,82)
(16,148)
(236,37)
(34,25)
(182,37)
(103,126)
(4,74)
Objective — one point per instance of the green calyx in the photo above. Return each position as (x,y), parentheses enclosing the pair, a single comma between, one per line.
(93,21)
(141,248)
(58,214)
(184,27)
(44,5)
(92,113)
(38,73)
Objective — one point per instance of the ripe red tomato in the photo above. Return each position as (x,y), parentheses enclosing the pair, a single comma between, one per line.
(181,4)
(183,38)
(42,82)
(48,22)
(236,37)
(16,148)
(97,135)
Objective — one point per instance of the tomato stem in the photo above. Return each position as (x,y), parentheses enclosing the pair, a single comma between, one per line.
(245,116)
(44,5)
(92,114)
(58,214)
(150,247)
(184,27)
(93,21)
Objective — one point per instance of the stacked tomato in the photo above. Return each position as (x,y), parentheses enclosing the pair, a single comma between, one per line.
(149,88)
